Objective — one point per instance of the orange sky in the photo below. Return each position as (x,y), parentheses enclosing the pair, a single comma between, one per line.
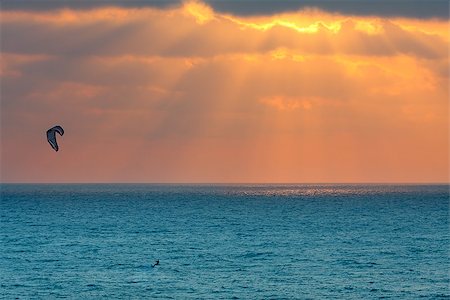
(188,94)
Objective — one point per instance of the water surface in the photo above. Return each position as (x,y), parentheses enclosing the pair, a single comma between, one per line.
(224,242)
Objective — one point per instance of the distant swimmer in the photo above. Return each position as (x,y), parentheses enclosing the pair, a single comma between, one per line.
(156,263)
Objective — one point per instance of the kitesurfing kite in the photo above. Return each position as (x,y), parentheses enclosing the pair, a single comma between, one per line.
(51,136)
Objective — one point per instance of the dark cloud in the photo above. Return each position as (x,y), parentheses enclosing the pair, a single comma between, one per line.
(382,8)
(43,5)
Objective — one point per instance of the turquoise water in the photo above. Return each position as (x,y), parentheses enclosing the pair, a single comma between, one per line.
(224,242)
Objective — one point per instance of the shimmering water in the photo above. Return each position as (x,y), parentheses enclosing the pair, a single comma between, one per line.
(224,242)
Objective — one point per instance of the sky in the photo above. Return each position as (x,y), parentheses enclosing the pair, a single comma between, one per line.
(225,91)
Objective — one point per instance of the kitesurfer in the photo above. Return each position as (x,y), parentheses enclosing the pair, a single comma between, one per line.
(156,263)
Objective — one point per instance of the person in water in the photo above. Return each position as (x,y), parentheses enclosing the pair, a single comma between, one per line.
(156,263)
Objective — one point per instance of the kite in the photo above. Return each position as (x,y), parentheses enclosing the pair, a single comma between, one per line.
(51,136)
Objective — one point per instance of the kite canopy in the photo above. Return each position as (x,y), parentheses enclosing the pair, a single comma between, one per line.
(51,136)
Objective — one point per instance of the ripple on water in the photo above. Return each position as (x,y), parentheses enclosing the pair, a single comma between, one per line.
(224,242)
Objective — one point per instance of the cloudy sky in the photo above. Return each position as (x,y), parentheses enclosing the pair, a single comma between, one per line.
(225,91)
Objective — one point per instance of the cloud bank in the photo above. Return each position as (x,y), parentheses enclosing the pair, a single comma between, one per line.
(384,8)
(192,92)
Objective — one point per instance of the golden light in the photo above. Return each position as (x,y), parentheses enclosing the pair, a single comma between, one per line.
(191,94)
(200,11)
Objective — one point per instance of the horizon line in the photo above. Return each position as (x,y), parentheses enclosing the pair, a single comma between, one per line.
(239,183)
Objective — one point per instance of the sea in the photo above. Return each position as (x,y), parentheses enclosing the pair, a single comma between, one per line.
(287,241)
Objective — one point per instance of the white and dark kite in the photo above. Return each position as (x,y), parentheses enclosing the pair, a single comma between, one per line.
(51,136)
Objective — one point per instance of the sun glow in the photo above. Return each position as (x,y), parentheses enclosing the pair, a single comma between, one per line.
(286,22)
(187,93)
(201,12)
